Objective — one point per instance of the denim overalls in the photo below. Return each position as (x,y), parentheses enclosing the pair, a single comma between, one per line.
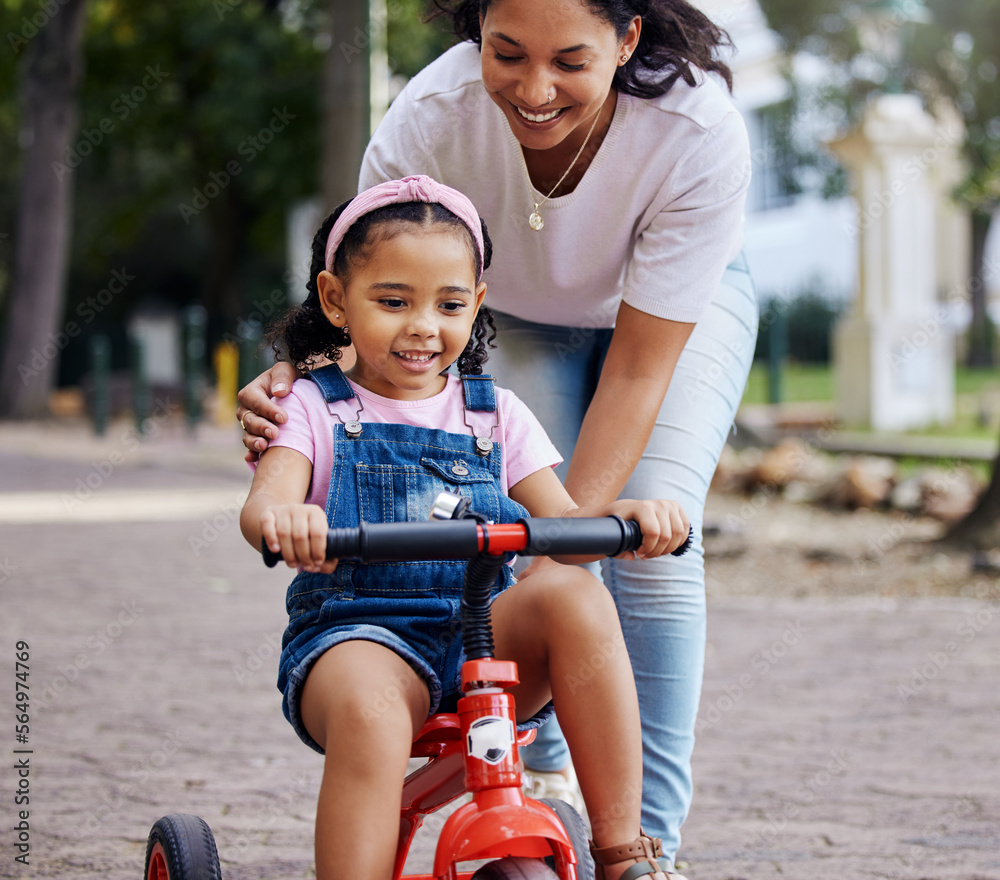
(393,473)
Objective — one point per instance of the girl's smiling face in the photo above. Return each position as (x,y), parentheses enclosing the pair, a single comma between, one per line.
(535,50)
(409,307)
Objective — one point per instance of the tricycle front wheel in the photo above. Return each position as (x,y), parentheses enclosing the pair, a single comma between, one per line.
(576,830)
(181,847)
(515,868)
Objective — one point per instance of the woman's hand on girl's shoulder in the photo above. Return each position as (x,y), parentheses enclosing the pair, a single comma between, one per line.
(298,532)
(259,416)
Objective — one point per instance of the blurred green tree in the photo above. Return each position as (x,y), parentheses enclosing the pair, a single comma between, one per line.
(953,57)
(49,42)
(950,58)
(414,39)
(214,108)
(197,129)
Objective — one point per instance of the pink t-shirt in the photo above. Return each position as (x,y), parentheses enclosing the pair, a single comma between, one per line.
(309,430)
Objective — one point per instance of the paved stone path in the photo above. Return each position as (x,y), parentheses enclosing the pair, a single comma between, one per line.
(836,739)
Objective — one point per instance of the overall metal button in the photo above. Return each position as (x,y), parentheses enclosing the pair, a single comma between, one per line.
(459,470)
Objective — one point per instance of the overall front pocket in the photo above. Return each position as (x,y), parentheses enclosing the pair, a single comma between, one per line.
(406,493)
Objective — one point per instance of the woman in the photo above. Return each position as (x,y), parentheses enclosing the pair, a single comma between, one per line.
(611,169)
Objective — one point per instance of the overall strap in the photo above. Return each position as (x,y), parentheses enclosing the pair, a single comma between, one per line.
(479,394)
(332,383)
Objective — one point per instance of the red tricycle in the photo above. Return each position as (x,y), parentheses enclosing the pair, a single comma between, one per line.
(474,750)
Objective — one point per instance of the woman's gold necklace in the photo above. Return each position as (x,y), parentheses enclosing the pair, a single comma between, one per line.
(535,221)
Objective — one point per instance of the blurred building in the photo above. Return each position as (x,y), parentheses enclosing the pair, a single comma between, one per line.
(797,241)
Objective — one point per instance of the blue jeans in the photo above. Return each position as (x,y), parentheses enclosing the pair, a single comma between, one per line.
(661,603)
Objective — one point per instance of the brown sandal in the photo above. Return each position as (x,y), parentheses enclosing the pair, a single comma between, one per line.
(647,849)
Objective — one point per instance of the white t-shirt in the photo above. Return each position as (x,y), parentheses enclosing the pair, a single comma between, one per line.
(309,430)
(655,220)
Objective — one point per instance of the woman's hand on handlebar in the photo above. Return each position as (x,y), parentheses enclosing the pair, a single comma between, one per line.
(298,532)
(258,414)
(664,524)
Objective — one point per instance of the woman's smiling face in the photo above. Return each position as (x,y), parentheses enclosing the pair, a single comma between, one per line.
(534,50)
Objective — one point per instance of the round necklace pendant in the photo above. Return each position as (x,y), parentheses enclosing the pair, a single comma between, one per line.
(535,221)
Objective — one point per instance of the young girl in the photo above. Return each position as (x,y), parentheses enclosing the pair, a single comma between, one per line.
(397,271)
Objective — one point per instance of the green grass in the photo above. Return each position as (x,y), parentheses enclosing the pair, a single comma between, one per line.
(800,383)
(977,392)
(977,381)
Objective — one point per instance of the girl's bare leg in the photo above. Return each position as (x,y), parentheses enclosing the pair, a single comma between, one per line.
(363,704)
(561,628)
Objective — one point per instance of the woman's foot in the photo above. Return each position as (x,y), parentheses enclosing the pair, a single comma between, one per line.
(559,784)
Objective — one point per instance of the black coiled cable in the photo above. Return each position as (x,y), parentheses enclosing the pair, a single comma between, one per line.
(480,578)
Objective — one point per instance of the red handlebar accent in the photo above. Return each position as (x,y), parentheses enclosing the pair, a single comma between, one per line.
(500,538)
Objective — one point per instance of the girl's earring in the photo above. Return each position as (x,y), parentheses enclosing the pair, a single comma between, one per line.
(623,59)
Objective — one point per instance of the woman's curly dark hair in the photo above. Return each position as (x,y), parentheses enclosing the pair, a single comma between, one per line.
(675,37)
(304,335)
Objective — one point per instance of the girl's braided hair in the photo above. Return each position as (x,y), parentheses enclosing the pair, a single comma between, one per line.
(675,37)
(304,335)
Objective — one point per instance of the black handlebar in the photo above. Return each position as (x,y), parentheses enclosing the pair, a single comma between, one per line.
(464,539)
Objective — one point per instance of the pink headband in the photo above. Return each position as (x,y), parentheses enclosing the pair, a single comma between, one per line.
(410,189)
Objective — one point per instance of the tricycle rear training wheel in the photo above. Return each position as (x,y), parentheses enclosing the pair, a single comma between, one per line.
(576,830)
(181,847)
(515,868)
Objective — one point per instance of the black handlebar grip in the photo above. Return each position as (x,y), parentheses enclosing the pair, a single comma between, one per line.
(680,551)
(633,539)
(412,541)
(632,536)
(403,541)
(583,536)
(339,543)
(271,559)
